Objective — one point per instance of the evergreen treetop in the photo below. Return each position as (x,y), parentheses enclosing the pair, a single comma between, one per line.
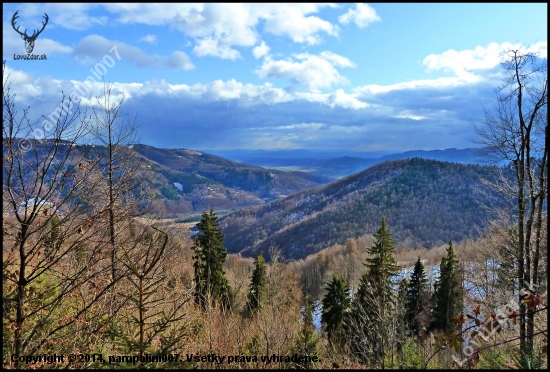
(258,285)
(373,307)
(210,254)
(336,304)
(381,265)
(447,298)
(415,297)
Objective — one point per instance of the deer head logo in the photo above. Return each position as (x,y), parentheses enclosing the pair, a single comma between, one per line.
(29,40)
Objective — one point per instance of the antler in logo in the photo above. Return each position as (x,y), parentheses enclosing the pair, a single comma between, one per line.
(29,40)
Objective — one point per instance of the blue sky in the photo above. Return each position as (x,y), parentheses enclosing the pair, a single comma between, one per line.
(365,77)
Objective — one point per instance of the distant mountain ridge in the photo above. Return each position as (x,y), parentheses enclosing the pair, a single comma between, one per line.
(341,163)
(425,202)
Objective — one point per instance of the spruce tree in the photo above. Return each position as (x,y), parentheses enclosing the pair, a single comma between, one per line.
(447,297)
(307,340)
(416,299)
(210,254)
(258,286)
(402,325)
(336,304)
(373,306)
(381,265)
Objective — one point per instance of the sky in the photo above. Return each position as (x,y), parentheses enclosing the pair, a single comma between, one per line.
(355,76)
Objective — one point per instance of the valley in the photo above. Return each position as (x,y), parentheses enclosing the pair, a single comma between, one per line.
(427,202)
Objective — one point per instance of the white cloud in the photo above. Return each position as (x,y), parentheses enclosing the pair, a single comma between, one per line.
(469,64)
(410,115)
(237,114)
(313,71)
(334,58)
(213,47)
(94,47)
(373,89)
(291,20)
(260,50)
(540,48)
(17,77)
(179,60)
(151,39)
(72,16)
(362,15)
(339,98)
(464,63)
(216,28)
(218,90)
(314,126)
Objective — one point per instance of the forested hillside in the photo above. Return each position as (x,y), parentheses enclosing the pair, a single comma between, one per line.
(184,182)
(427,202)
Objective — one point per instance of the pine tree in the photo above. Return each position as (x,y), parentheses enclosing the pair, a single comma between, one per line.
(258,285)
(210,254)
(373,306)
(447,297)
(416,299)
(336,304)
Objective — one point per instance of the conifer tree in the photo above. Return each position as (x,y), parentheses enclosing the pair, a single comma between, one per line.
(306,343)
(336,304)
(258,285)
(447,297)
(54,238)
(402,325)
(210,254)
(416,299)
(381,265)
(373,306)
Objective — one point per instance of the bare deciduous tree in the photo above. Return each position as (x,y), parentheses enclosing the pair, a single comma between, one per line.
(515,131)
(49,245)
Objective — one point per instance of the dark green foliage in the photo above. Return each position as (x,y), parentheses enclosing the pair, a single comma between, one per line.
(336,304)
(258,286)
(447,297)
(169,192)
(373,308)
(53,240)
(381,265)
(187,180)
(402,325)
(306,343)
(210,254)
(416,295)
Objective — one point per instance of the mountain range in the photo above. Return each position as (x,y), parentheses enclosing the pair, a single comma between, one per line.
(426,202)
(342,163)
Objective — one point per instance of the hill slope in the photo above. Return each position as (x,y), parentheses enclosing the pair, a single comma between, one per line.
(424,201)
(186,181)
